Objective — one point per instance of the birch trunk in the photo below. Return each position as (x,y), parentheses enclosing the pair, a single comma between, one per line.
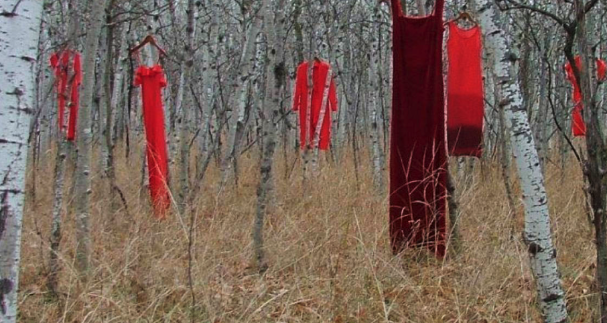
(242,89)
(185,110)
(19,24)
(537,233)
(374,89)
(275,72)
(596,149)
(83,180)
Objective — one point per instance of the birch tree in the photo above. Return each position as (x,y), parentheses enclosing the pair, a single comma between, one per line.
(83,180)
(537,233)
(19,24)
(275,75)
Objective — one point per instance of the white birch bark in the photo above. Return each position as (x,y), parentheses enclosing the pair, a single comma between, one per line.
(242,88)
(19,24)
(537,235)
(83,180)
(274,83)
(209,75)
(192,13)
(377,157)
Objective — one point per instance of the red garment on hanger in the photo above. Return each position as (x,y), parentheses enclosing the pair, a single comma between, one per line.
(300,103)
(465,93)
(418,149)
(152,80)
(578,126)
(66,64)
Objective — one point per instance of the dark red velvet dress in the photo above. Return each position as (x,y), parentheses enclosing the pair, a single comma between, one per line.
(418,150)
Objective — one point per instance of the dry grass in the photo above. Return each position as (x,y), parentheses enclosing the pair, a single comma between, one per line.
(328,252)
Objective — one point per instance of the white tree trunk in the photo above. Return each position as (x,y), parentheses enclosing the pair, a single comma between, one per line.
(242,88)
(83,180)
(185,110)
(537,235)
(19,24)
(374,103)
(274,83)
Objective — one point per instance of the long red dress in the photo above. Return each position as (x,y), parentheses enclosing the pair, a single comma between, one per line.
(152,80)
(465,93)
(418,150)
(300,103)
(578,126)
(66,64)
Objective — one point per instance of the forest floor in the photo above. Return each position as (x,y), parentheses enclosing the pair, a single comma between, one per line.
(328,252)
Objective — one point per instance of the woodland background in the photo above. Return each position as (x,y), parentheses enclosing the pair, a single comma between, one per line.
(326,252)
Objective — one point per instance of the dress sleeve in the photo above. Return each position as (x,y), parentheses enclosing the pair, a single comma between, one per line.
(569,72)
(54,60)
(137,79)
(333,95)
(77,69)
(298,89)
(163,81)
(601,70)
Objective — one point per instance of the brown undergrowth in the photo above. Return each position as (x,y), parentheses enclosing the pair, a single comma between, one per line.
(328,252)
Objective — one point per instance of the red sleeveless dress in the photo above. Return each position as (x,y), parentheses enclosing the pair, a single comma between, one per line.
(418,150)
(465,93)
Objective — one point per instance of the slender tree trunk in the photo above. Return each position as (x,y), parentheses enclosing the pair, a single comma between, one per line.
(596,149)
(242,88)
(374,103)
(83,169)
(275,76)
(537,235)
(19,24)
(185,110)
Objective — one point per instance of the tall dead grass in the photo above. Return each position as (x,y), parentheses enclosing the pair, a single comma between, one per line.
(328,250)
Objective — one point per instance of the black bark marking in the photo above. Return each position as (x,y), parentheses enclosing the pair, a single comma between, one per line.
(6,286)
(3,213)
(551,298)
(534,248)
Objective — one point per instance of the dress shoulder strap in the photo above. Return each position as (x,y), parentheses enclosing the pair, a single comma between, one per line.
(438,8)
(396,8)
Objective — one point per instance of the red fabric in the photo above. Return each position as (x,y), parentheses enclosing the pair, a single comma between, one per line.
(465,93)
(66,64)
(578,126)
(577,121)
(151,80)
(300,103)
(418,150)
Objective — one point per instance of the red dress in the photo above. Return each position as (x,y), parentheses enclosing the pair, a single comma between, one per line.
(151,80)
(578,126)
(300,103)
(465,93)
(64,64)
(418,149)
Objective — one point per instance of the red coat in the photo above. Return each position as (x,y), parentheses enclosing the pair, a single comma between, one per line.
(578,126)
(300,103)
(152,80)
(60,62)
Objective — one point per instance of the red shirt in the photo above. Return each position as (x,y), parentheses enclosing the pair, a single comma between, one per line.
(62,65)
(300,103)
